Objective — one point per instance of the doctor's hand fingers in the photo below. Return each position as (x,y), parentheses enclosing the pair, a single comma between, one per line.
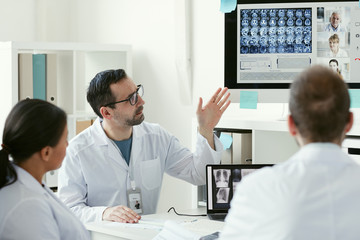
(120,214)
(214,97)
(199,108)
(221,94)
(129,215)
(223,104)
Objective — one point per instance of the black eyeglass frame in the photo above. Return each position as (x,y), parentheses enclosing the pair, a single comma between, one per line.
(136,93)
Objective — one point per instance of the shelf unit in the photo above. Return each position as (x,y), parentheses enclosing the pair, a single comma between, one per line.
(271,143)
(77,64)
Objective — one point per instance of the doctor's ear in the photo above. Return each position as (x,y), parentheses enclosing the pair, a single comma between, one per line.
(291,126)
(105,112)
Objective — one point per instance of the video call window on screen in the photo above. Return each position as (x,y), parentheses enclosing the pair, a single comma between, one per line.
(278,30)
(333,39)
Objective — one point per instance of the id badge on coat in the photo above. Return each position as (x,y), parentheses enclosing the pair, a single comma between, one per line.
(134,200)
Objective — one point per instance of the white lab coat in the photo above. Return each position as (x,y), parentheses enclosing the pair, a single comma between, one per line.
(313,195)
(329,28)
(94,174)
(30,211)
(341,53)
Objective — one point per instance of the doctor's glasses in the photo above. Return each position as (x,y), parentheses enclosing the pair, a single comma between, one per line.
(133,99)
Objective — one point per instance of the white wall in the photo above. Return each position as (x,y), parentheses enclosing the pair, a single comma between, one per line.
(17,20)
(149,26)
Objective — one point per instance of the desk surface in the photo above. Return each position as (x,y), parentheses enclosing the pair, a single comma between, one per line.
(152,225)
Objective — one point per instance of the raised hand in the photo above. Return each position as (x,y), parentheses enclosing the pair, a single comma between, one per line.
(209,115)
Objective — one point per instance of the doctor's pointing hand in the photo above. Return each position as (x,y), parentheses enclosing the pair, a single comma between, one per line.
(209,115)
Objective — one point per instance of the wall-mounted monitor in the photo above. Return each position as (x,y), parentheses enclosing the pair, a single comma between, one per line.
(268,44)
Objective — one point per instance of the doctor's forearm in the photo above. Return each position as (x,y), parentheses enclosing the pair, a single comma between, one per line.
(209,136)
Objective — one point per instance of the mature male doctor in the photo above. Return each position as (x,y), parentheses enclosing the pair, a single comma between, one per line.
(121,159)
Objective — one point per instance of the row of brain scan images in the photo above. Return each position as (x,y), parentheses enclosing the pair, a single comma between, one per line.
(275,31)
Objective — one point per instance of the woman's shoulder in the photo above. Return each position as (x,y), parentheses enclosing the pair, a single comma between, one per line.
(16,198)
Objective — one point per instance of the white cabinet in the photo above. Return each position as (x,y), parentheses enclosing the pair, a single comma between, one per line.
(271,143)
(271,140)
(76,65)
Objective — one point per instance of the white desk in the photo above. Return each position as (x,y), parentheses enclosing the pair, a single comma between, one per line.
(144,231)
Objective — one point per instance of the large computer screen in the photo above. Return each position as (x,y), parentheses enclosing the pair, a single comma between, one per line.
(268,44)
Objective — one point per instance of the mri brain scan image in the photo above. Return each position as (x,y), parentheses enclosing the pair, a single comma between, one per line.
(264,31)
(281,30)
(245,31)
(263,22)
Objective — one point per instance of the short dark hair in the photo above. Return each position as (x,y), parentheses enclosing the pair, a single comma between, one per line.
(335,61)
(320,104)
(31,125)
(99,92)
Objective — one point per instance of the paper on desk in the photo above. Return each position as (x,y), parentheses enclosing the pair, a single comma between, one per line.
(141,225)
(174,231)
(204,227)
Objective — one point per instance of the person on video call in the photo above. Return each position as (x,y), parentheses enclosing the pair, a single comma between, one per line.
(335,50)
(334,65)
(316,193)
(34,142)
(121,152)
(335,24)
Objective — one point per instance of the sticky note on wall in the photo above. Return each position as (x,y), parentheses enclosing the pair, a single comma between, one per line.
(248,99)
(227,6)
(354,98)
(226,140)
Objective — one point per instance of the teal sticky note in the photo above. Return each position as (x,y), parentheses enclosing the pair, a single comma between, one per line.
(227,6)
(226,140)
(354,98)
(248,99)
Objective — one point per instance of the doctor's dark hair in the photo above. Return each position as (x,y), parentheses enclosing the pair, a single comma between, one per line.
(320,104)
(99,92)
(31,125)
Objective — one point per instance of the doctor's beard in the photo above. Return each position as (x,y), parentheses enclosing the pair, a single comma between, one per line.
(137,118)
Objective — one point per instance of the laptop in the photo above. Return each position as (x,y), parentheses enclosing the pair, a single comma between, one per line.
(221,181)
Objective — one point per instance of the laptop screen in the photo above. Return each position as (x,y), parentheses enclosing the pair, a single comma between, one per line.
(221,181)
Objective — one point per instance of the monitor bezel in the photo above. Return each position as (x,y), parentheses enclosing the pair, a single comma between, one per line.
(231,167)
(230,49)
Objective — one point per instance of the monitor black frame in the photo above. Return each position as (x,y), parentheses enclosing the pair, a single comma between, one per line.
(231,54)
(231,167)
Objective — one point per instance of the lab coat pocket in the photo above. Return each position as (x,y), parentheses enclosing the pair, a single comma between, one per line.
(151,173)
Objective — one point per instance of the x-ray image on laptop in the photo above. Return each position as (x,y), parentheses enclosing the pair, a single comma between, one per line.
(221,181)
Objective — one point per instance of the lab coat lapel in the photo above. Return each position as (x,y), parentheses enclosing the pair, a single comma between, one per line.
(110,150)
(136,148)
